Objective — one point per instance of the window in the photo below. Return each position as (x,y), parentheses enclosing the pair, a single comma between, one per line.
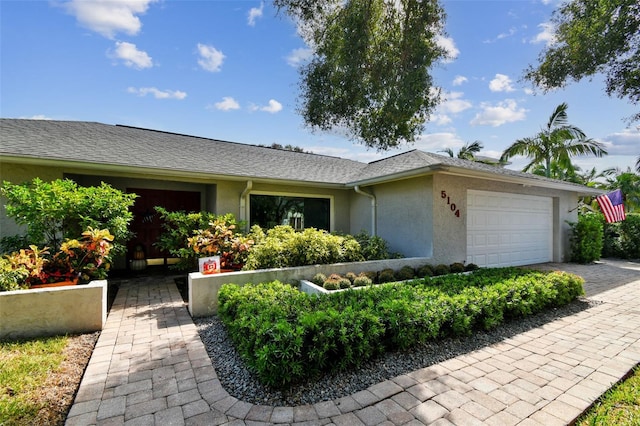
(269,211)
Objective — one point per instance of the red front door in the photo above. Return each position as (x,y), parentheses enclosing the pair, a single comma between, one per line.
(146,223)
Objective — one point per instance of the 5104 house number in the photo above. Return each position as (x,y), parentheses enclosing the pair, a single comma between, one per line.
(452,206)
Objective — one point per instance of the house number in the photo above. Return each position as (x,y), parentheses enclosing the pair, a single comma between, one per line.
(452,206)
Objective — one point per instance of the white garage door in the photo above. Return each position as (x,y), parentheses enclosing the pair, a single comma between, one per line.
(508,229)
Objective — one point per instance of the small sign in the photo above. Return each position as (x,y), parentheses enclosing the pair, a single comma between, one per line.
(209,265)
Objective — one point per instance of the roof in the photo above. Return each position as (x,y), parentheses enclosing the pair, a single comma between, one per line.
(130,147)
(117,145)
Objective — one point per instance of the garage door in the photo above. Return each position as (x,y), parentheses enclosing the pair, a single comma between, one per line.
(508,229)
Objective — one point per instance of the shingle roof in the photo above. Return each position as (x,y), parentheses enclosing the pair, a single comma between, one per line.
(97,143)
(133,147)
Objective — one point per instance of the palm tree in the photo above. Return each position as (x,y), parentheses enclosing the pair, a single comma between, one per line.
(467,152)
(558,141)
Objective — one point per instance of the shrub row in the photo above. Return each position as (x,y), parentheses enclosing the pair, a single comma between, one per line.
(286,336)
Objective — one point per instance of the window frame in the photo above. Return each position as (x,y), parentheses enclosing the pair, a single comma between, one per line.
(294,195)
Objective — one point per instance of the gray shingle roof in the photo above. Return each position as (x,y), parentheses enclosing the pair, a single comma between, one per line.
(97,143)
(134,147)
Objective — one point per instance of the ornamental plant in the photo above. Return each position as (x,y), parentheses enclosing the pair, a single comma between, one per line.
(220,239)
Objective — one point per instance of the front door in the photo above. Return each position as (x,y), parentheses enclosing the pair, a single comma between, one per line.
(147,225)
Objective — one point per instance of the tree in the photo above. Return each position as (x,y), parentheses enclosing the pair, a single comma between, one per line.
(467,152)
(594,36)
(629,183)
(557,142)
(369,74)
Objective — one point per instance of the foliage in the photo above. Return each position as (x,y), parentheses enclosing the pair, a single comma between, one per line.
(405,273)
(369,74)
(592,37)
(467,152)
(373,247)
(282,247)
(456,267)
(441,269)
(587,238)
(24,369)
(286,336)
(362,280)
(469,267)
(629,183)
(618,406)
(622,239)
(220,239)
(557,142)
(425,271)
(319,279)
(178,227)
(53,211)
(87,258)
(386,276)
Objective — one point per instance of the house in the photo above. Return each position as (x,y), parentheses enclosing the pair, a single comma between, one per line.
(423,204)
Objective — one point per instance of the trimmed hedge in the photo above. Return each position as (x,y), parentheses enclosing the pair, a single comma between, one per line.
(286,336)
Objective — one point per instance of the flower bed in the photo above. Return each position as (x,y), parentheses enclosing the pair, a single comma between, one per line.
(287,336)
(53,311)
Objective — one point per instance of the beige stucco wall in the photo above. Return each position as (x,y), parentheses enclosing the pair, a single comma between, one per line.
(404,215)
(54,311)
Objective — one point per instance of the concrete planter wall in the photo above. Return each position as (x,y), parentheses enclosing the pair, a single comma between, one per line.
(203,289)
(53,311)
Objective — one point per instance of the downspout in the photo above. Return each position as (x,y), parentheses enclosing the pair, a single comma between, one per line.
(373,208)
(243,202)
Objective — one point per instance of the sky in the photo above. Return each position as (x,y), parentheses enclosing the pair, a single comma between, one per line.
(228,70)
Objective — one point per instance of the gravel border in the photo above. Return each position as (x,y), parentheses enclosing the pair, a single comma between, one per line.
(241,383)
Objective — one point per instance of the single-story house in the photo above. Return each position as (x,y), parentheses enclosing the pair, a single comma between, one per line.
(423,204)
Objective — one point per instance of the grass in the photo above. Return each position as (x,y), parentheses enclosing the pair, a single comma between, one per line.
(618,406)
(24,368)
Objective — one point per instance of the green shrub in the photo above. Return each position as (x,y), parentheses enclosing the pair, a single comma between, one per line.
(350,276)
(373,247)
(12,278)
(586,238)
(386,276)
(286,336)
(441,269)
(319,279)
(344,283)
(456,268)
(405,273)
(630,236)
(331,284)
(470,267)
(425,271)
(61,209)
(282,247)
(362,280)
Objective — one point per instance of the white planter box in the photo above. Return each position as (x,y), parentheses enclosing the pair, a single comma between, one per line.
(53,311)
(203,289)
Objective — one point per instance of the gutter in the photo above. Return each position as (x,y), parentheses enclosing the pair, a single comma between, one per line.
(373,207)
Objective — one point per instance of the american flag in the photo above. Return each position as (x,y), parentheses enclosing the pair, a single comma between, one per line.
(611,206)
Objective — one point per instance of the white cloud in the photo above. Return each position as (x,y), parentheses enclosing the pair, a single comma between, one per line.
(255,13)
(299,56)
(504,112)
(38,117)
(438,141)
(459,80)
(210,58)
(625,142)
(273,107)
(131,56)
(501,83)
(227,103)
(449,46)
(528,91)
(546,35)
(108,17)
(157,93)
(453,103)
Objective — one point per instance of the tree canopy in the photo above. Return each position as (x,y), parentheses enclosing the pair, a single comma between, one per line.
(551,149)
(594,36)
(369,74)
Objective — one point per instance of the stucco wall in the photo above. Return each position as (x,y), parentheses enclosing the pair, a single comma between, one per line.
(404,215)
(360,213)
(53,311)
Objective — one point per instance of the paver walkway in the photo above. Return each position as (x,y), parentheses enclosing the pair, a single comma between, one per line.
(150,367)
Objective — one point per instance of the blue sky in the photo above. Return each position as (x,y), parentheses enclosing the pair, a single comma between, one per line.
(227,70)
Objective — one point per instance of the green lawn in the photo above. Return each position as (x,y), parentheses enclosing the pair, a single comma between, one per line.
(24,368)
(619,406)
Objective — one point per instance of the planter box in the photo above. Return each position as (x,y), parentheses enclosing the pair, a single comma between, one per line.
(53,311)
(203,289)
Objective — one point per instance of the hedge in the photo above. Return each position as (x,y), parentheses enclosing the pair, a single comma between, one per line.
(286,336)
